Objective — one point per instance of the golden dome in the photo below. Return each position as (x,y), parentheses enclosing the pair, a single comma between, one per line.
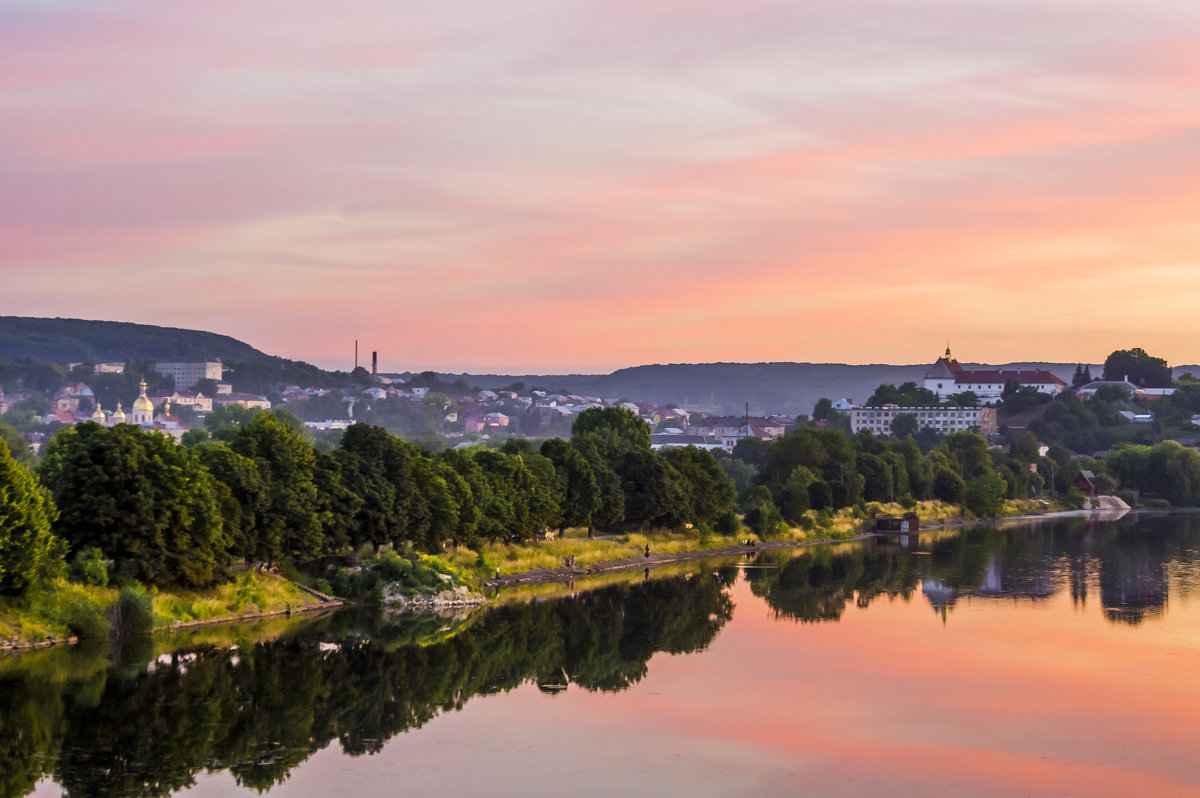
(143,403)
(98,416)
(117,417)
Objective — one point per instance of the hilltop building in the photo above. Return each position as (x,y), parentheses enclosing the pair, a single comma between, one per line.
(187,373)
(947,377)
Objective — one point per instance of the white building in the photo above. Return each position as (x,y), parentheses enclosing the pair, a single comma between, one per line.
(947,377)
(187,373)
(944,419)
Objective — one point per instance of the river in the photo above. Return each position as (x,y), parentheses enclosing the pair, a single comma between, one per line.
(1055,657)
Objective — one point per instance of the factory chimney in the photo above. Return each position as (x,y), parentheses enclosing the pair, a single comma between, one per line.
(374,367)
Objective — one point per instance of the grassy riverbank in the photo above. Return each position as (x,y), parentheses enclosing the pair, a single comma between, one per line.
(507,558)
(57,610)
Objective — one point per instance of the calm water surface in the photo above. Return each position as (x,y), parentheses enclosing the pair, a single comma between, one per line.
(1053,658)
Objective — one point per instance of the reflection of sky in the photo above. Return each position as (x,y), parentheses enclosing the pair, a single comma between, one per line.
(1009,698)
(629,182)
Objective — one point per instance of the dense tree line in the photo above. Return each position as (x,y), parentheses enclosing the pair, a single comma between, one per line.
(825,470)
(260,491)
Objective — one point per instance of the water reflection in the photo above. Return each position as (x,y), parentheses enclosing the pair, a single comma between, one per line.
(1128,560)
(133,723)
(146,720)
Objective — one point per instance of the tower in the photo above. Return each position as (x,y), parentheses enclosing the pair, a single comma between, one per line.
(143,409)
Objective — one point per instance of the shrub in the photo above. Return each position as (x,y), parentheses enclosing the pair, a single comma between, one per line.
(729,523)
(89,567)
(134,611)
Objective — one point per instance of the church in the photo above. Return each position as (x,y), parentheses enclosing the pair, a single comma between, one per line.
(142,415)
(947,376)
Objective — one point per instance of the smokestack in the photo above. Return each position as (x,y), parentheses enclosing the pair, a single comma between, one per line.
(374,367)
(355,353)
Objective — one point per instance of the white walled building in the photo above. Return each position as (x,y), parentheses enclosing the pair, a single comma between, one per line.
(947,377)
(944,419)
(187,373)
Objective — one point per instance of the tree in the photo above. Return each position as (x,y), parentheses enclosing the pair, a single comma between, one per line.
(904,424)
(15,443)
(709,490)
(28,549)
(963,399)
(292,524)
(1138,367)
(947,485)
(577,484)
(762,516)
(984,495)
(145,502)
(624,425)
(822,409)
(206,386)
(243,496)
(908,394)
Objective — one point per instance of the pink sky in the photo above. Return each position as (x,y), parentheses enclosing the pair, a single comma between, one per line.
(555,185)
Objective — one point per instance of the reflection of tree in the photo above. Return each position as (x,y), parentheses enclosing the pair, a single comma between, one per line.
(1130,559)
(816,584)
(258,711)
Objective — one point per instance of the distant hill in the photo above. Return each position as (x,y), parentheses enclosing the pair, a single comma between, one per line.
(76,340)
(727,387)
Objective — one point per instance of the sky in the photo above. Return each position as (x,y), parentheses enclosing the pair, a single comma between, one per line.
(583,185)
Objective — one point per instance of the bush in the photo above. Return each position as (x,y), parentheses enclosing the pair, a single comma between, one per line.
(1074,498)
(86,619)
(89,567)
(729,523)
(248,592)
(1156,504)
(134,611)
(907,501)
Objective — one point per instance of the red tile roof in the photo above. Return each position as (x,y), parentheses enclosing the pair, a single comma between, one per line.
(998,377)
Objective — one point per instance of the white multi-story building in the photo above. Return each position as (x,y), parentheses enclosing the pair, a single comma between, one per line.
(943,418)
(187,373)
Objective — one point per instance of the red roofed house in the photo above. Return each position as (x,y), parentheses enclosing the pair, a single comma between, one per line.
(947,376)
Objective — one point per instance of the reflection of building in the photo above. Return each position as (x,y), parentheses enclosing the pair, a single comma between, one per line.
(1132,586)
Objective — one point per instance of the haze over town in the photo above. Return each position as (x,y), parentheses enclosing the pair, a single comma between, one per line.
(560,186)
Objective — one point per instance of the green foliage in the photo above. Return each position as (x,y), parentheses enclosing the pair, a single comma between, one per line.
(984,494)
(908,394)
(1138,367)
(135,611)
(613,423)
(761,514)
(29,550)
(904,424)
(16,444)
(89,567)
(145,502)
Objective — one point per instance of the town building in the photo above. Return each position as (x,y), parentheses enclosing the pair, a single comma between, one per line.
(249,401)
(193,399)
(187,373)
(947,377)
(943,419)
(1135,391)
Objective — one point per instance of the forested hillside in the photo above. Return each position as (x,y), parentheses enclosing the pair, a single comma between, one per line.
(727,387)
(78,340)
